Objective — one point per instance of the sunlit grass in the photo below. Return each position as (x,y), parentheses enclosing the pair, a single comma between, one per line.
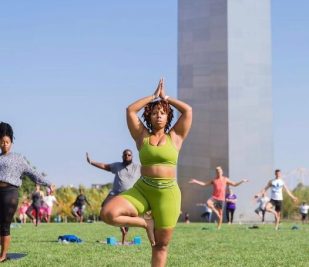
(233,245)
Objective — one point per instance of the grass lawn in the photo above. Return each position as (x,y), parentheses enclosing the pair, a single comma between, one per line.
(233,245)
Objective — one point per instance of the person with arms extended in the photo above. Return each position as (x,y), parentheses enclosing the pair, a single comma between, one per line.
(49,201)
(219,183)
(157,190)
(262,201)
(79,206)
(12,169)
(36,205)
(126,174)
(276,196)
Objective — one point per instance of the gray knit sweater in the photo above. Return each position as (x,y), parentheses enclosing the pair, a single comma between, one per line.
(13,167)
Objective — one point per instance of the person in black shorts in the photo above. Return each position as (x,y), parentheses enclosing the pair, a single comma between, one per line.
(79,206)
(37,199)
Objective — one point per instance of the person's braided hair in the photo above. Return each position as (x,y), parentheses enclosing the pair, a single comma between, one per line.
(149,108)
(6,130)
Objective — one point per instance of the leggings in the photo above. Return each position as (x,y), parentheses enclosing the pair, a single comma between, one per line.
(37,212)
(8,207)
(228,212)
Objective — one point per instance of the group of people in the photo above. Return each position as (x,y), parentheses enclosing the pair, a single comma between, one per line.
(40,208)
(153,202)
(145,195)
(223,193)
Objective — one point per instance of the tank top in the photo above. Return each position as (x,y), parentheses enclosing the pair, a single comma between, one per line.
(219,185)
(276,189)
(166,154)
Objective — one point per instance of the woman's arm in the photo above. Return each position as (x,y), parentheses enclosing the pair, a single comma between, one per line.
(34,175)
(136,127)
(183,124)
(232,183)
(194,181)
(99,165)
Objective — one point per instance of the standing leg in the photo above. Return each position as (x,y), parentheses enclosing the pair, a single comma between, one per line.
(37,215)
(232,215)
(216,211)
(8,207)
(220,218)
(159,251)
(278,213)
(263,216)
(227,212)
(124,231)
(29,213)
(269,209)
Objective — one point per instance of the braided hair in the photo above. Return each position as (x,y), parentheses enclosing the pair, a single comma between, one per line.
(6,130)
(167,109)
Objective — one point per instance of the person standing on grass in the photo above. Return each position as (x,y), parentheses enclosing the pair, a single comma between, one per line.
(303,211)
(156,190)
(36,205)
(49,201)
(13,167)
(126,174)
(230,207)
(79,206)
(22,210)
(219,183)
(262,201)
(276,185)
(207,213)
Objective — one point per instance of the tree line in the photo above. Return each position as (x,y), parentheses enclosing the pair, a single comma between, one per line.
(66,196)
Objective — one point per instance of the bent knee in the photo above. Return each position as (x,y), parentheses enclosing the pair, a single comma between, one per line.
(108,215)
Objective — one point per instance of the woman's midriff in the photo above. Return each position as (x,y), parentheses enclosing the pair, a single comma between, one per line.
(3,184)
(159,171)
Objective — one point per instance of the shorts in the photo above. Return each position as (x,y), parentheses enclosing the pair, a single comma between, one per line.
(161,196)
(217,203)
(303,216)
(277,204)
(79,210)
(48,210)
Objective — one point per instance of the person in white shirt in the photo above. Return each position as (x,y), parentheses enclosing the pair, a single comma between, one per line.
(262,201)
(304,211)
(49,201)
(276,197)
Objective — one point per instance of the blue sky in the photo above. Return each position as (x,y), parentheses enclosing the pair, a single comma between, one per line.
(69,68)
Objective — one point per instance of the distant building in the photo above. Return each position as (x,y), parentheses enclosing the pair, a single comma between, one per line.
(224,73)
(97,186)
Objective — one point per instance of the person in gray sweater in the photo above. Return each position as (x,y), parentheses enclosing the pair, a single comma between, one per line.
(13,167)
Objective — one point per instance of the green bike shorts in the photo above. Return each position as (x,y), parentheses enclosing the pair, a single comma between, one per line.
(160,196)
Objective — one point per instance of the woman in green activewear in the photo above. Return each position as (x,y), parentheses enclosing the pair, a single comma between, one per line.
(157,190)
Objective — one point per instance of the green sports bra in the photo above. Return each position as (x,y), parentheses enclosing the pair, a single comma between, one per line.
(166,154)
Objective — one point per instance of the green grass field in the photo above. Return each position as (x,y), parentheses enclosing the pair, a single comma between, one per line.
(233,245)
